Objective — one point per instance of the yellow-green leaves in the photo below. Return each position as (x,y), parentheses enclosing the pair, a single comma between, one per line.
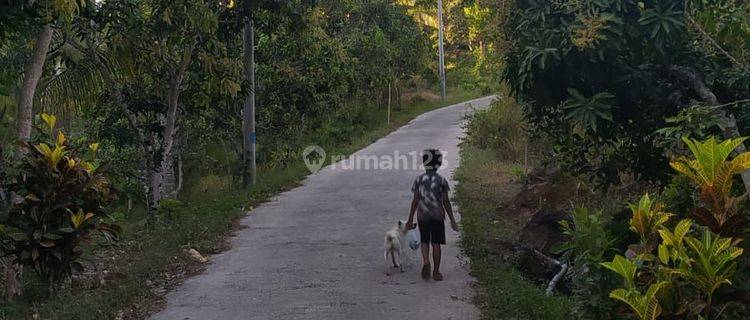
(645,306)
(60,141)
(713,261)
(672,247)
(56,203)
(51,156)
(710,167)
(230,87)
(705,263)
(713,173)
(66,9)
(50,121)
(648,217)
(79,218)
(624,267)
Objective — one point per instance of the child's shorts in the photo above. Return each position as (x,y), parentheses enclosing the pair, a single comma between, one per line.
(432,231)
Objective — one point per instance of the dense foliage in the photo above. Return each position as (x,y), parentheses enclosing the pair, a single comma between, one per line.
(158,82)
(616,92)
(601,77)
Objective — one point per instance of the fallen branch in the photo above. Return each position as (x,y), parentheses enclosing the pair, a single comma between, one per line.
(553,283)
(563,270)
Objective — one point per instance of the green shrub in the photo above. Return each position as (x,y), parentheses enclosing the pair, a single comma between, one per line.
(57,200)
(589,241)
(713,176)
(679,195)
(588,244)
(168,207)
(499,127)
(680,278)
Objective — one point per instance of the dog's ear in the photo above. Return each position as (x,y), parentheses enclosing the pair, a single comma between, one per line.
(401,224)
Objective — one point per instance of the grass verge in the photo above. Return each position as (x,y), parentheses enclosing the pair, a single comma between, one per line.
(150,260)
(487,176)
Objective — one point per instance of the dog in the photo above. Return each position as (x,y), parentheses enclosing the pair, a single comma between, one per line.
(394,240)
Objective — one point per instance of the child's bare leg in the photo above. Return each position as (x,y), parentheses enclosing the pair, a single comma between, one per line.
(425,253)
(425,260)
(436,252)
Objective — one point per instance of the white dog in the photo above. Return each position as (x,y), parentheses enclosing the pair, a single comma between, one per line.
(394,246)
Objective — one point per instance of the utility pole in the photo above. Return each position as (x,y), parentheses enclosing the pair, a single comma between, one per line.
(388,117)
(248,110)
(441,51)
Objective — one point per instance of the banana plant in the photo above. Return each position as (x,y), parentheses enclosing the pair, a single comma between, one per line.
(712,173)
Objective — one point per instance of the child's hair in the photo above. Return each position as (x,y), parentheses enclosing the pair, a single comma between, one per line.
(432,159)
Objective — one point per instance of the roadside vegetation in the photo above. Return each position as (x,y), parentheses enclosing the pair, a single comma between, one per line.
(126,141)
(630,198)
(128,279)
(491,171)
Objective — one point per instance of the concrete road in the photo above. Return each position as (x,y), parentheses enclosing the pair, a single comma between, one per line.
(316,252)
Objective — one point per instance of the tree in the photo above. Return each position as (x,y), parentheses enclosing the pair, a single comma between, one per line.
(30,80)
(45,14)
(146,61)
(623,67)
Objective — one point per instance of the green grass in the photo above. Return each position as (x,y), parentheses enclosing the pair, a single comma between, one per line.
(503,292)
(151,248)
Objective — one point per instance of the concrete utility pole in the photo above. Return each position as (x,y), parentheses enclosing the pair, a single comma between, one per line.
(248,112)
(440,49)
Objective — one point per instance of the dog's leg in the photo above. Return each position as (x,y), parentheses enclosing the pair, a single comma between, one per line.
(401,261)
(393,258)
(387,266)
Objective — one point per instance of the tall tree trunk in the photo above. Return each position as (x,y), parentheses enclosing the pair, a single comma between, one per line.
(397,89)
(170,126)
(25,113)
(12,272)
(147,160)
(30,80)
(179,175)
(248,109)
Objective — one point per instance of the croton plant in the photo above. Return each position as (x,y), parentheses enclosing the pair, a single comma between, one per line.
(57,199)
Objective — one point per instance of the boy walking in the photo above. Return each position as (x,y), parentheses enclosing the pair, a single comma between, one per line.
(431,203)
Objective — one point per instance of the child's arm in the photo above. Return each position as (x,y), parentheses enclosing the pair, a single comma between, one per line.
(414,204)
(449,210)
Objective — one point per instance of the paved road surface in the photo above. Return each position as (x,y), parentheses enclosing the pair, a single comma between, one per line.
(316,252)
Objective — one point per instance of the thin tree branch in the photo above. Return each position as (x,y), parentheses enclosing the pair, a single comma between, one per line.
(711,40)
